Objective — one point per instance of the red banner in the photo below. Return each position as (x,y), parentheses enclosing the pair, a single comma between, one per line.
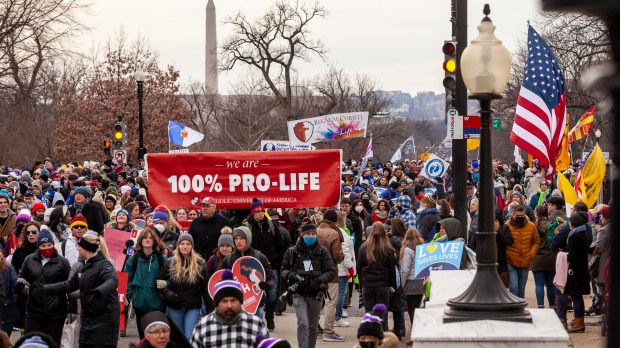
(280,179)
(122,294)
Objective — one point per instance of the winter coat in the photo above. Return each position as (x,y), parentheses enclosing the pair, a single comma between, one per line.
(169,238)
(183,294)
(603,240)
(206,232)
(545,256)
(578,280)
(534,199)
(49,306)
(141,284)
(407,272)
(7,226)
(93,216)
(525,247)
(97,283)
(504,240)
(21,253)
(404,212)
(10,312)
(267,239)
(229,261)
(378,273)
(473,228)
(323,268)
(331,240)
(427,219)
(349,255)
(379,216)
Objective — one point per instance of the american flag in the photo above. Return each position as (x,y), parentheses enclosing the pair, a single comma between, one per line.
(541,107)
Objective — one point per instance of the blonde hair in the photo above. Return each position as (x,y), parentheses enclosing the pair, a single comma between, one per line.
(377,240)
(186,269)
(412,237)
(342,219)
(103,248)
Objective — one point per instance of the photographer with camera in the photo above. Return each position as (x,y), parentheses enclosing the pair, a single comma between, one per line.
(307,267)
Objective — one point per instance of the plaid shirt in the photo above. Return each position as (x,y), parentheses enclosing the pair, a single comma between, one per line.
(211,332)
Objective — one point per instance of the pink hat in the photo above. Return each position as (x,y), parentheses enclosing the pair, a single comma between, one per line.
(208,200)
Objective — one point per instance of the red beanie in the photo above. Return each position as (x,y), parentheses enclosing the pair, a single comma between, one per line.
(37,206)
(79,220)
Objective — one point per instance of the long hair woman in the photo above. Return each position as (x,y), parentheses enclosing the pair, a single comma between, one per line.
(184,284)
(376,268)
(97,282)
(60,218)
(380,213)
(414,288)
(134,211)
(142,268)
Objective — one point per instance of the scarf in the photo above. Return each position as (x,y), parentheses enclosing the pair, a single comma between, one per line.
(381,214)
(541,196)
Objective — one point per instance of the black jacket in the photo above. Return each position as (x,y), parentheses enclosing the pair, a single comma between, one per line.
(48,306)
(170,238)
(578,280)
(93,216)
(100,316)
(267,239)
(378,273)
(206,232)
(20,254)
(323,268)
(504,240)
(183,295)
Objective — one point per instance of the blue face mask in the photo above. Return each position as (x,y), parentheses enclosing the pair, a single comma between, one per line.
(309,240)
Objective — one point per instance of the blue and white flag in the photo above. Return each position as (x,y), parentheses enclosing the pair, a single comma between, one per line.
(181,135)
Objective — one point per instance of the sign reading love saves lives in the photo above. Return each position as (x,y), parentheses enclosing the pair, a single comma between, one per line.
(437,256)
(283,179)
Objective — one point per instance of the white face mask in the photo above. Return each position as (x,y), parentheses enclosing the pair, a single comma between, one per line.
(359,209)
(160,228)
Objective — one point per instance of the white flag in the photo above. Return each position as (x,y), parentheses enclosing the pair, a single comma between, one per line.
(404,150)
(518,157)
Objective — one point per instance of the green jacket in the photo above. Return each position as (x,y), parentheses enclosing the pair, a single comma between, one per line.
(142,283)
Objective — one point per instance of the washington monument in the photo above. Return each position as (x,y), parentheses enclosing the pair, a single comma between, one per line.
(211,84)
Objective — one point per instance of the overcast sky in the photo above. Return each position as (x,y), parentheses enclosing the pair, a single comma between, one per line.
(397,42)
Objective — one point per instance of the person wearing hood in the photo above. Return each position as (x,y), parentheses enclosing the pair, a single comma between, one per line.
(160,224)
(449,230)
(428,217)
(402,210)
(83,205)
(160,332)
(242,237)
(7,218)
(522,252)
(310,265)
(367,202)
(542,195)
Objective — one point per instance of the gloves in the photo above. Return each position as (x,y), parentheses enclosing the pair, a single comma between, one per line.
(162,284)
(351,272)
(264,286)
(22,281)
(294,278)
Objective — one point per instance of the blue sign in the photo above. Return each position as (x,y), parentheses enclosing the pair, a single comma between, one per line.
(434,167)
(437,256)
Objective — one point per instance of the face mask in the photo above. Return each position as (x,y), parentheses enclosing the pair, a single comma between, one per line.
(365,201)
(160,228)
(359,209)
(519,220)
(310,240)
(367,344)
(47,253)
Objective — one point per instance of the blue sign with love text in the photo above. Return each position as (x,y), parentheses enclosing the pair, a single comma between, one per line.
(437,256)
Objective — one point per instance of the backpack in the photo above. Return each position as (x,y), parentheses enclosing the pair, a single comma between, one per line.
(554,228)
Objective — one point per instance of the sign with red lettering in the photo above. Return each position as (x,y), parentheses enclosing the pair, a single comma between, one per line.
(249,272)
(122,294)
(280,179)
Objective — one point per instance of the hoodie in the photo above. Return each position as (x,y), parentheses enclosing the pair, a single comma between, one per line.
(403,211)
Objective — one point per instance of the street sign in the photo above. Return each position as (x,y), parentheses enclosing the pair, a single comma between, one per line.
(120,156)
(463,127)
(179,151)
(496,123)
(471,127)
(455,124)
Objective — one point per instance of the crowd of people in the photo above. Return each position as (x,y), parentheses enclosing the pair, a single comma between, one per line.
(58,280)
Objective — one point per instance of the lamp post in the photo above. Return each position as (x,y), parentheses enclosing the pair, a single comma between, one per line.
(597,134)
(139,76)
(485,66)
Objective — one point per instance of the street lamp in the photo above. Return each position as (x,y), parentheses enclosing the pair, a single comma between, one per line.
(485,67)
(597,134)
(139,76)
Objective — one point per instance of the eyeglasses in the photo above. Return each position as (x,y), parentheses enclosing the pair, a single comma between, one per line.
(79,227)
(29,232)
(159,332)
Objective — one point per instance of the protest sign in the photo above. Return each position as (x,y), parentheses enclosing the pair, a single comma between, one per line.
(249,272)
(328,128)
(184,226)
(434,167)
(123,278)
(115,241)
(437,256)
(283,179)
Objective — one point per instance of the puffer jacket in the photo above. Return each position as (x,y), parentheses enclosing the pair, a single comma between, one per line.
(378,273)
(349,254)
(522,252)
(47,307)
(141,284)
(323,268)
(183,294)
(97,283)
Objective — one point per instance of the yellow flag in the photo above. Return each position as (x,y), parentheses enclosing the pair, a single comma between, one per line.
(591,179)
(563,160)
(472,144)
(570,197)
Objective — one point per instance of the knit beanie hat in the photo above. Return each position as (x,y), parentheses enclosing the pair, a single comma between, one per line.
(23,216)
(579,218)
(160,214)
(28,194)
(331,215)
(226,287)
(370,325)
(34,342)
(123,211)
(606,212)
(256,205)
(243,232)
(226,238)
(154,318)
(38,206)
(79,220)
(429,202)
(82,190)
(271,342)
(111,197)
(125,189)
(44,237)
(186,236)
(309,227)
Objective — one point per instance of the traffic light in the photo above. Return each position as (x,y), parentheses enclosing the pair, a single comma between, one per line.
(120,135)
(107,144)
(449,68)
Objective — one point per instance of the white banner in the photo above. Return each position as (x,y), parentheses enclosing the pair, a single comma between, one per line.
(434,167)
(328,128)
(281,145)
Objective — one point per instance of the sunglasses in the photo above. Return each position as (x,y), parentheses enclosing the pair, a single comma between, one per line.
(29,232)
(79,227)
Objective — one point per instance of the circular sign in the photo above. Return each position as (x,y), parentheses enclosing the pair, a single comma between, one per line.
(434,168)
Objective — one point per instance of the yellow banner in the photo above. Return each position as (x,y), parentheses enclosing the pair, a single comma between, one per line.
(424,156)
(592,175)
(563,160)
(570,196)
(472,144)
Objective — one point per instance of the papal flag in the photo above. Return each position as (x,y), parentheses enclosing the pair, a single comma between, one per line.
(590,177)
(406,150)
(583,126)
(563,160)
(181,135)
